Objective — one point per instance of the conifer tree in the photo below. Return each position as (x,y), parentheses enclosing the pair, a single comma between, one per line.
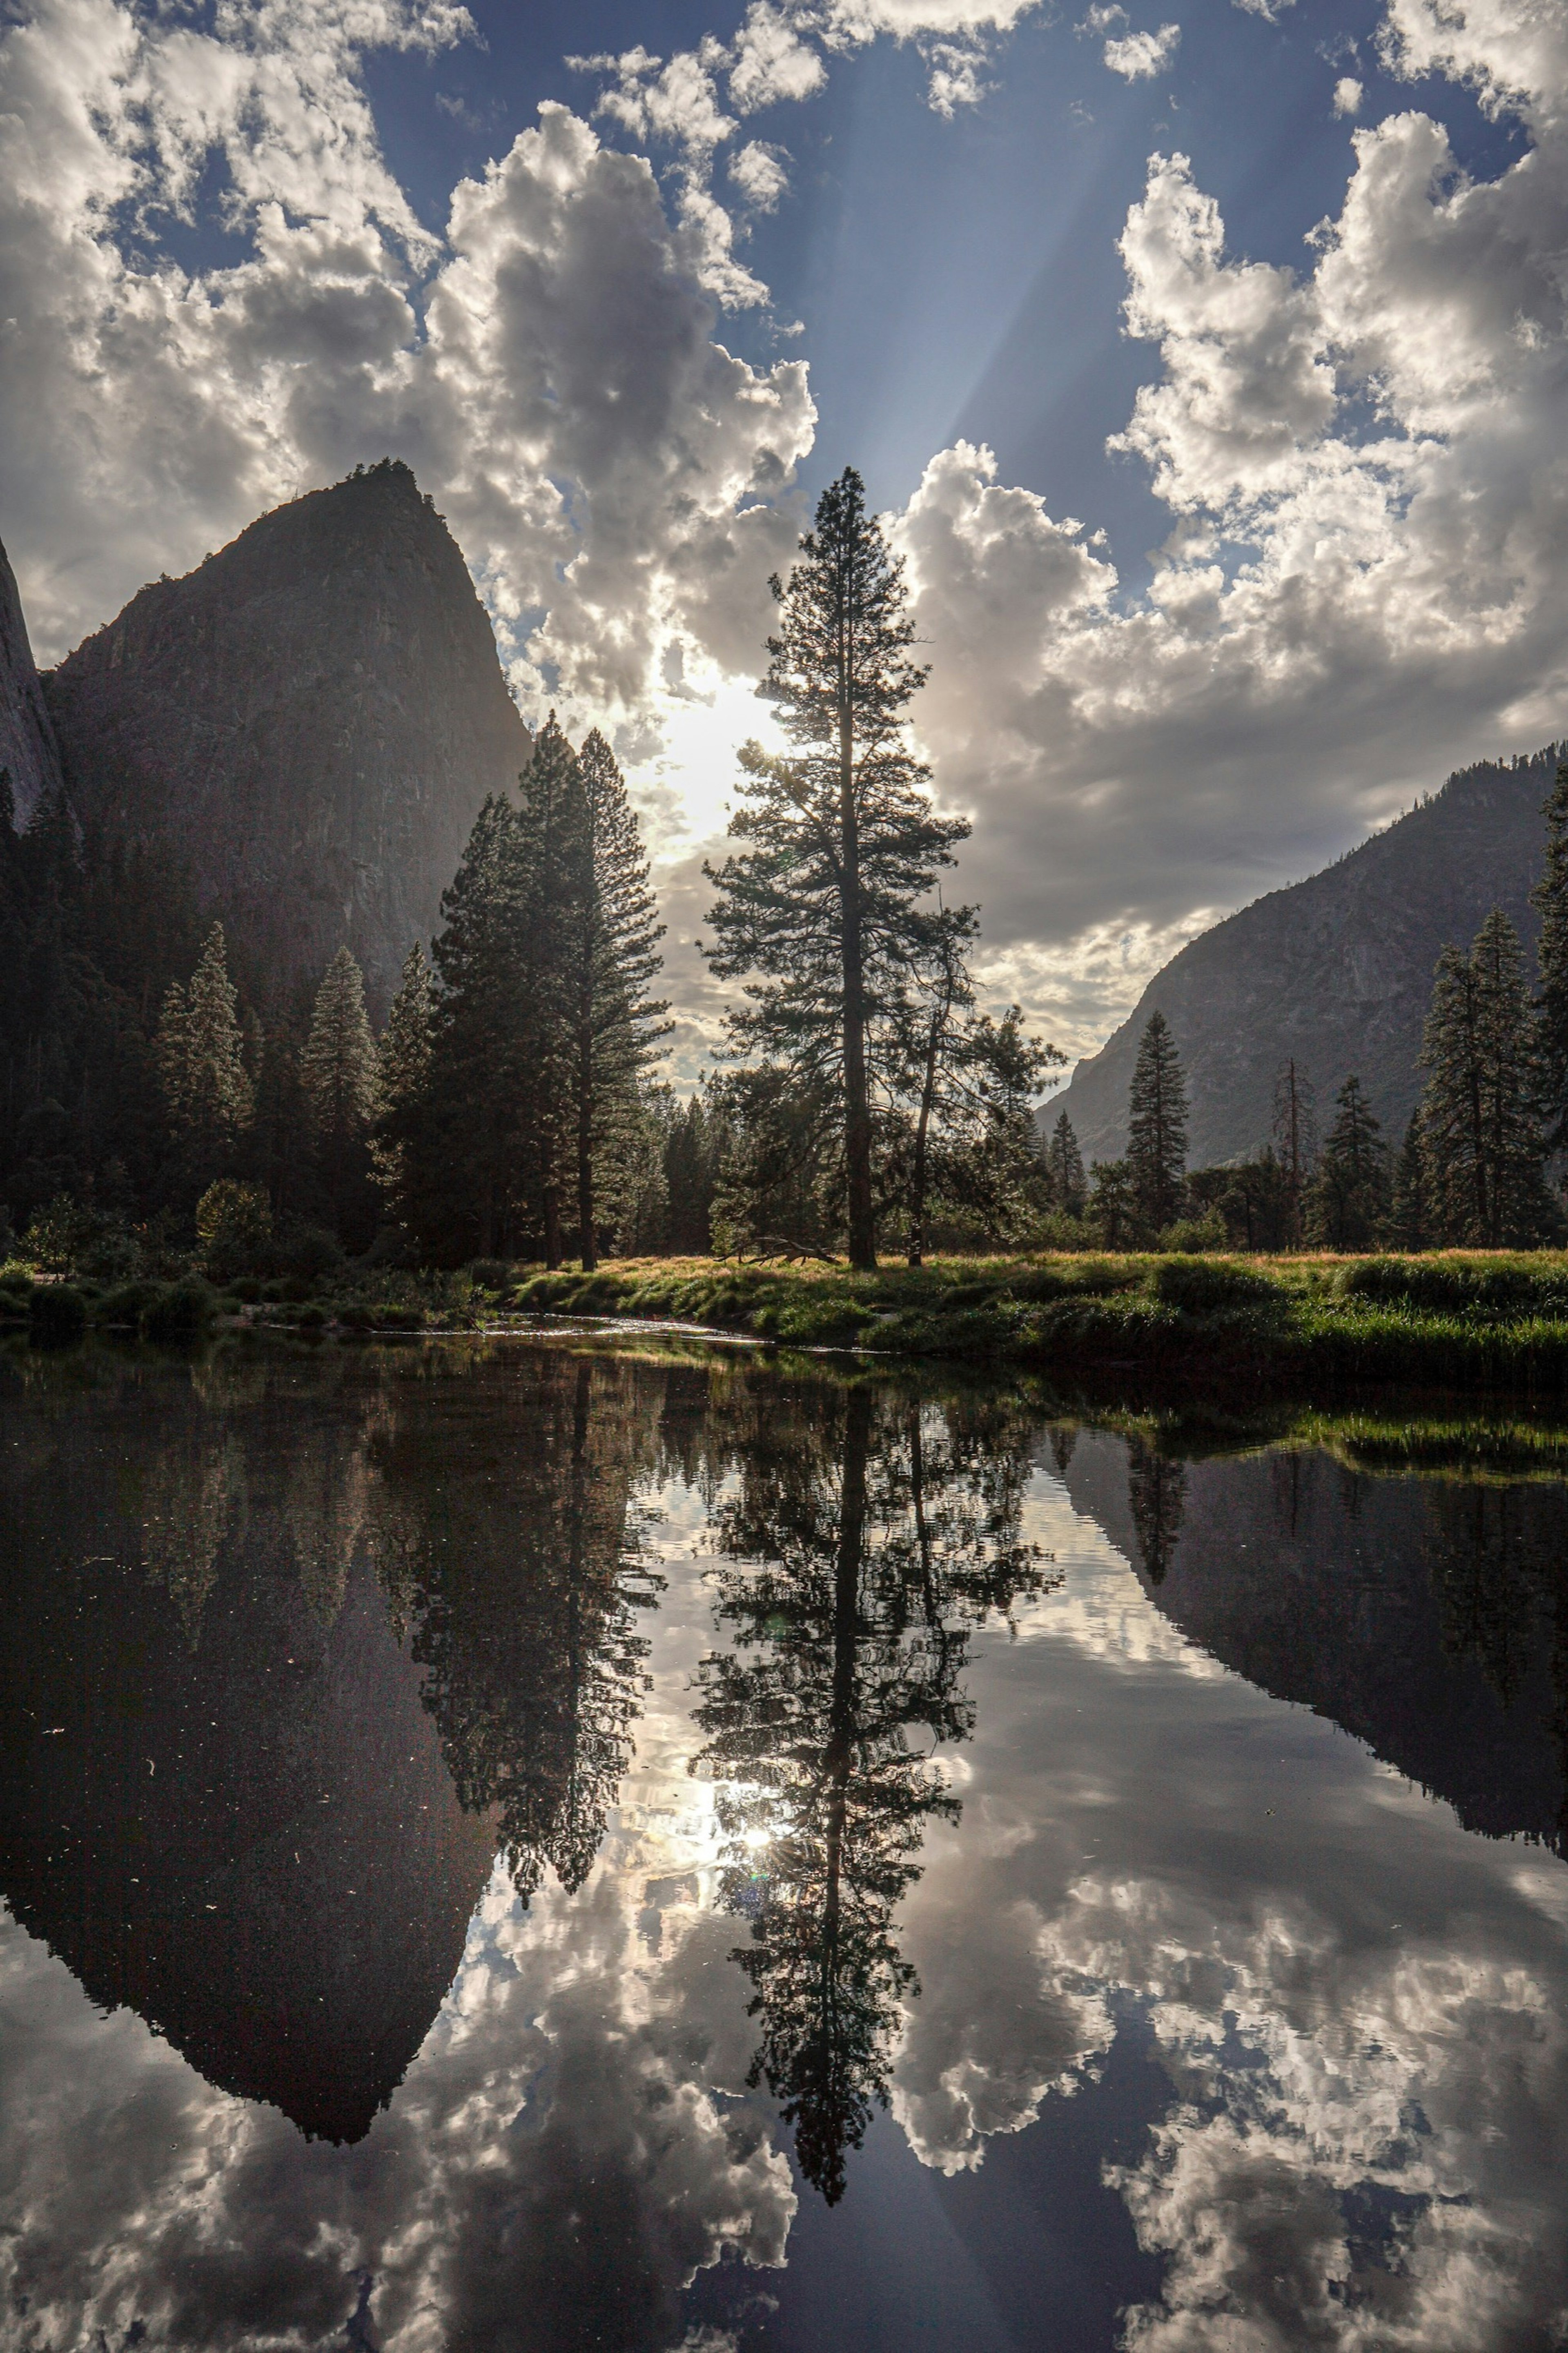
(1113,1210)
(337,1077)
(550,894)
(615,1026)
(1483,1144)
(1064,1165)
(1157,1129)
(1295,1137)
(337,1067)
(1410,1217)
(470,1113)
(816,915)
(1349,1196)
(201,1064)
(402,1077)
(1550,897)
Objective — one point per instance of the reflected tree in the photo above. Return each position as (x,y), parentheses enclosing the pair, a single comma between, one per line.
(1157,1497)
(868,1538)
(515,1554)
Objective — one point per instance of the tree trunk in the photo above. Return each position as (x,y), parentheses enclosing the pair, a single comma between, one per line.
(922,1131)
(857,1091)
(552,1251)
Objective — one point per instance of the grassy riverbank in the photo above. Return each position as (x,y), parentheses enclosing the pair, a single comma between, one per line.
(1459,1321)
(1462,1320)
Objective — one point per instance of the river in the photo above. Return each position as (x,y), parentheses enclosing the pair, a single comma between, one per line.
(581,1843)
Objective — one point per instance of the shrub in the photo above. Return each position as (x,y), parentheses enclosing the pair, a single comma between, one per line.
(1190,1234)
(307,1253)
(123,1308)
(181,1312)
(1198,1286)
(311,1317)
(490,1273)
(234,1226)
(357,1318)
(57,1314)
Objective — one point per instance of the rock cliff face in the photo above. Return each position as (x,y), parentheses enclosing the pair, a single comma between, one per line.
(314,715)
(26,738)
(1336,971)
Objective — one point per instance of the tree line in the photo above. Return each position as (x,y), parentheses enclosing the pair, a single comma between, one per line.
(509,1109)
(863,1102)
(1472,1169)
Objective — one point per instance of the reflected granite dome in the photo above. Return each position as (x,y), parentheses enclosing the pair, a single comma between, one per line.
(222,1802)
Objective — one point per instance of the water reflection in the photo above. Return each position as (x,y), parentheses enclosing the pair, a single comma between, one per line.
(870,1545)
(1016,1743)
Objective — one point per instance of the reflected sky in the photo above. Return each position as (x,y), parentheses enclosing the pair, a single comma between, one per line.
(1217,2028)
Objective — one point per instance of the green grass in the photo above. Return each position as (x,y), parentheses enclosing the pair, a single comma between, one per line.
(1472,1319)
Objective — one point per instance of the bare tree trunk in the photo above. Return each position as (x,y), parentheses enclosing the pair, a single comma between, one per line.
(856,1088)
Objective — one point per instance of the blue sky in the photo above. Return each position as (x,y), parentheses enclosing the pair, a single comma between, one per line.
(1206,357)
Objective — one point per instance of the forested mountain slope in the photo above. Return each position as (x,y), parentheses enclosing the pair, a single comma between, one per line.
(1335,971)
(314,715)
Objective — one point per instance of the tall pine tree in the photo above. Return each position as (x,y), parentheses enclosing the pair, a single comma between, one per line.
(614,959)
(1157,1129)
(402,1079)
(1483,1140)
(816,916)
(1349,1196)
(1064,1165)
(337,1075)
(201,1064)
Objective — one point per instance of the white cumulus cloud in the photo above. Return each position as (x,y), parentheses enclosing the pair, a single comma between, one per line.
(1139,57)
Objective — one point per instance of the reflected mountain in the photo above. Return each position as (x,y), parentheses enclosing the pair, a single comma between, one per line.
(869,1538)
(281,1677)
(1427,1615)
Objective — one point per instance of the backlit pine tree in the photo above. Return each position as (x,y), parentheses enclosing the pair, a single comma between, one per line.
(402,1078)
(1157,1129)
(337,1076)
(615,1026)
(817,914)
(201,1066)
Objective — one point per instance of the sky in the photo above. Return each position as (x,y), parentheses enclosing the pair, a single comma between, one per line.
(1205,360)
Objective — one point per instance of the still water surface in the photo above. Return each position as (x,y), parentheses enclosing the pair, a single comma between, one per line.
(531,1847)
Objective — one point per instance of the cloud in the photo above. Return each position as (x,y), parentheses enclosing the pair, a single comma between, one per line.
(770,61)
(758,171)
(1348,95)
(554,2153)
(1360,2141)
(1368,553)
(1139,57)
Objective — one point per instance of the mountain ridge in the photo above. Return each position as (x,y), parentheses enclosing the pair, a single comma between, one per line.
(314,715)
(1335,971)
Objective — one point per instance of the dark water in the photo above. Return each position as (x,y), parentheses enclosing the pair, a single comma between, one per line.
(536,1848)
